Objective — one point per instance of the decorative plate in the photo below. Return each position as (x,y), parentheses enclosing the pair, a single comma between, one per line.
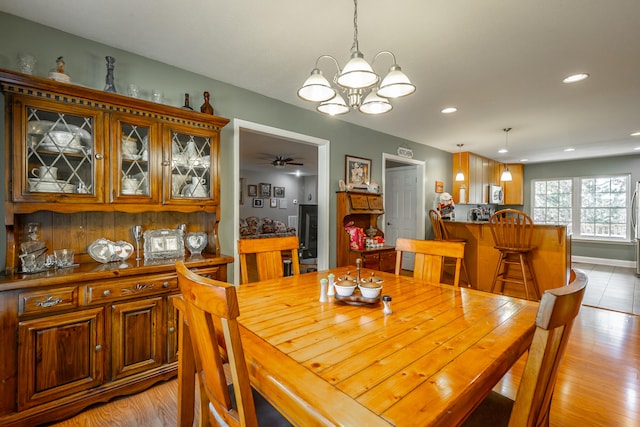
(104,251)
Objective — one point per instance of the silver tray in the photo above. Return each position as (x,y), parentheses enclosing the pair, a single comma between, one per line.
(104,250)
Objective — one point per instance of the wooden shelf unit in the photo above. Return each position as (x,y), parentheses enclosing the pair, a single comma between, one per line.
(72,337)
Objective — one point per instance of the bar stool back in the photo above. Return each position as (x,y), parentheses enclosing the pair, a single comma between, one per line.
(512,232)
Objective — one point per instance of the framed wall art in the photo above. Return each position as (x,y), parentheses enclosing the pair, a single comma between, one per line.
(252,190)
(357,171)
(264,190)
(278,192)
(241,191)
(274,203)
(257,203)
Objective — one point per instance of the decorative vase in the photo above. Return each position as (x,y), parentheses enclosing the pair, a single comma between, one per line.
(110,86)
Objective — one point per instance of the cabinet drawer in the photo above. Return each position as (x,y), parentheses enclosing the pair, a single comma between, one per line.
(48,301)
(100,292)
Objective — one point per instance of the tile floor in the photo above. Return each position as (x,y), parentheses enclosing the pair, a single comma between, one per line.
(611,288)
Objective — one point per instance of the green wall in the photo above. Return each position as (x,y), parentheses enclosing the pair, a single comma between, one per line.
(588,167)
(85,64)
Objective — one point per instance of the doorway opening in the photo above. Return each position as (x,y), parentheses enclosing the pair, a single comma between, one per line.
(262,158)
(404,201)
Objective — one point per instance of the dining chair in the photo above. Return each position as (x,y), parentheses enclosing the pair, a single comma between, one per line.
(512,232)
(429,256)
(556,313)
(440,233)
(211,311)
(268,256)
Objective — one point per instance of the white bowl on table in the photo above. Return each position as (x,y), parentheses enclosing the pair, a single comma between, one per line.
(344,290)
(370,290)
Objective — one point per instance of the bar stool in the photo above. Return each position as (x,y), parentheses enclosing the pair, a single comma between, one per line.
(440,233)
(512,232)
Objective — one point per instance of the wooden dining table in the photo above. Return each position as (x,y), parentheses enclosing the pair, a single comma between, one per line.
(428,363)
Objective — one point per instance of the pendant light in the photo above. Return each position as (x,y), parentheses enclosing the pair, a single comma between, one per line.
(365,90)
(460,175)
(506,173)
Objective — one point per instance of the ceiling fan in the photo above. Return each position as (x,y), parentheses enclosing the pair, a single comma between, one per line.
(280,162)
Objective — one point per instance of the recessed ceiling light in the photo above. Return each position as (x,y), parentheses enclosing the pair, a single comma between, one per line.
(575,78)
(635,134)
(449,110)
(503,150)
(569,149)
(636,149)
(524,160)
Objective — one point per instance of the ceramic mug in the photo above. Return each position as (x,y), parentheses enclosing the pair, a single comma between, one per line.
(45,173)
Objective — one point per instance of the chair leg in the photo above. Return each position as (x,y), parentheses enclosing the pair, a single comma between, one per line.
(533,277)
(521,257)
(466,273)
(495,275)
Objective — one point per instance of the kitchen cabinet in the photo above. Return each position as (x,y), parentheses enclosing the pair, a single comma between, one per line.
(480,172)
(85,164)
(363,210)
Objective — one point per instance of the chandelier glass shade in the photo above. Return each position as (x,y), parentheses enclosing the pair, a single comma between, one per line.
(363,87)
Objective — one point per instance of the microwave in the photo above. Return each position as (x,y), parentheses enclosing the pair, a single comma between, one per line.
(496,195)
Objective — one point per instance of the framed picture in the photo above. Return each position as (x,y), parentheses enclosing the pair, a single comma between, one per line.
(242,191)
(439,187)
(278,192)
(357,171)
(265,190)
(257,203)
(252,190)
(274,203)
(163,243)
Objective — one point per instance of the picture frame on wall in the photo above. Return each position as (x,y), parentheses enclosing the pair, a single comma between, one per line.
(241,191)
(278,192)
(264,190)
(274,203)
(252,190)
(357,171)
(257,203)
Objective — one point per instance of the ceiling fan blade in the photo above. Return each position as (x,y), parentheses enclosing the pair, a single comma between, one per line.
(295,164)
(287,160)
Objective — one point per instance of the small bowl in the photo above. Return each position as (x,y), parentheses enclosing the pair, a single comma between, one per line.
(344,290)
(370,290)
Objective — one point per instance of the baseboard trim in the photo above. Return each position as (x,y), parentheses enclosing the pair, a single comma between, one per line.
(603,261)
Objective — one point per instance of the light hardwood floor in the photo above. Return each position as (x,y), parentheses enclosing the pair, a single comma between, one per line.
(598,383)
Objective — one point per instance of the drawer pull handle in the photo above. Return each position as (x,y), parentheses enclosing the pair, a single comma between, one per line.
(165,285)
(106,293)
(98,347)
(99,156)
(172,329)
(49,302)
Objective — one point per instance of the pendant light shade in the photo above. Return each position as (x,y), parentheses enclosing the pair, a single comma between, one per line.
(506,173)
(356,81)
(460,175)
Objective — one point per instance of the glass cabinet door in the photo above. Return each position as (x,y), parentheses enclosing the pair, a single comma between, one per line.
(191,165)
(134,148)
(59,154)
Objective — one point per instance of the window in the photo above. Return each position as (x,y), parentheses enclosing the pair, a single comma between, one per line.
(591,207)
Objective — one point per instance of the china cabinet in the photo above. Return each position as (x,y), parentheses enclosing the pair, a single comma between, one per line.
(362,210)
(86,165)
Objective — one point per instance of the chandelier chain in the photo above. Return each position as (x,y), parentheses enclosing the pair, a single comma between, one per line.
(355,47)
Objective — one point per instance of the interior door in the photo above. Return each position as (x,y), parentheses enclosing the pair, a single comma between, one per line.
(400,209)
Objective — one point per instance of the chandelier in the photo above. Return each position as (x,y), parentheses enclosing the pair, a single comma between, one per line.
(362,86)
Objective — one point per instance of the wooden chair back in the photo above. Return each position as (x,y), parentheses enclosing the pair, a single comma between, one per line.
(429,257)
(268,253)
(439,232)
(511,229)
(211,309)
(556,313)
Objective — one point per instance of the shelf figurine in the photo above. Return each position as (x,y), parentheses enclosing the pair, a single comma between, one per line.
(186,105)
(206,106)
(110,85)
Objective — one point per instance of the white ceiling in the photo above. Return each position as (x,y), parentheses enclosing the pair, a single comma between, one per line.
(501,62)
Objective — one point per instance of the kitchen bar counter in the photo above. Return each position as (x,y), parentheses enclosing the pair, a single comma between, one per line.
(551,258)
